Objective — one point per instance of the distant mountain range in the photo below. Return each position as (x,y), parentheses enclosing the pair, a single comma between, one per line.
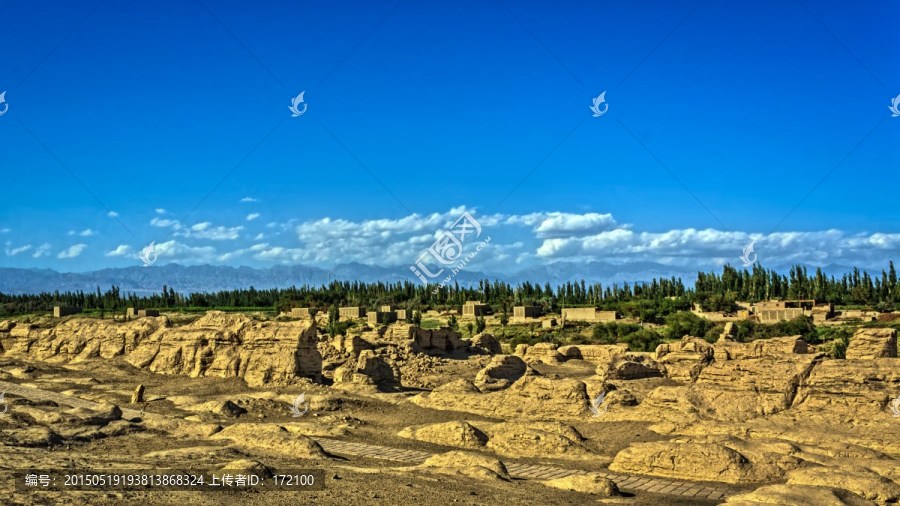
(211,278)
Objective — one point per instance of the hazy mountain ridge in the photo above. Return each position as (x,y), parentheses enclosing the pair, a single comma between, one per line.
(211,278)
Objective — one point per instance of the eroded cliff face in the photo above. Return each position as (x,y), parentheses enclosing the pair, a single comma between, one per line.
(217,344)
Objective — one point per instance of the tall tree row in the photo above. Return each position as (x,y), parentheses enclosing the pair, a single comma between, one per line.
(712,290)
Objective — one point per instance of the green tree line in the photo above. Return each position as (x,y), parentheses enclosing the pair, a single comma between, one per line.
(649,301)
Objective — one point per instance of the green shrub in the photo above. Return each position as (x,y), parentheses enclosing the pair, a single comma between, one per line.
(683,324)
(642,340)
(430,323)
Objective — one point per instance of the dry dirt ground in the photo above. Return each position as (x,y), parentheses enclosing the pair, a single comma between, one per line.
(350,480)
(403,416)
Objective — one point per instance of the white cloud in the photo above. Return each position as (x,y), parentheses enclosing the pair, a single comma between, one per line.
(42,250)
(120,251)
(165,223)
(112,214)
(563,236)
(224,257)
(519,241)
(710,247)
(205,230)
(240,252)
(282,254)
(5,230)
(84,233)
(184,253)
(160,210)
(72,251)
(565,224)
(249,199)
(387,241)
(15,251)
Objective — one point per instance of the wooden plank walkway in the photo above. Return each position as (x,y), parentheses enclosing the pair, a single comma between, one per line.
(625,482)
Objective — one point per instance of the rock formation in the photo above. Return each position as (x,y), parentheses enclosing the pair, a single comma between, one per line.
(368,369)
(872,343)
(487,343)
(501,372)
(685,359)
(630,367)
(217,344)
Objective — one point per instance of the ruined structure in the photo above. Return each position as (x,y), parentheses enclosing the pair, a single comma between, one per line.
(587,314)
(774,311)
(217,344)
(473,308)
(303,312)
(382,317)
(352,312)
(822,312)
(522,312)
(60,311)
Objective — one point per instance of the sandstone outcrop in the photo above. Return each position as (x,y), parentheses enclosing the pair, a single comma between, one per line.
(470,464)
(730,350)
(859,480)
(458,434)
(542,352)
(271,438)
(351,344)
(798,495)
(872,343)
(540,439)
(501,372)
(855,387)
(630,367)
(442,339)
(586,483)
(368,369)
(705,460)
(741,389)
(217,344)
(685,359)
(530,398)
(600,354)
(536,439)
(432,341)
(81,338)
(487,343)
(400,332)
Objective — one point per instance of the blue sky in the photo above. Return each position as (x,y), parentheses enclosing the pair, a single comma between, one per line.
(722,118)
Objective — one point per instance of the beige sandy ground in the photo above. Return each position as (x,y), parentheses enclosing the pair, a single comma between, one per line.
(347,416)
(773,422)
